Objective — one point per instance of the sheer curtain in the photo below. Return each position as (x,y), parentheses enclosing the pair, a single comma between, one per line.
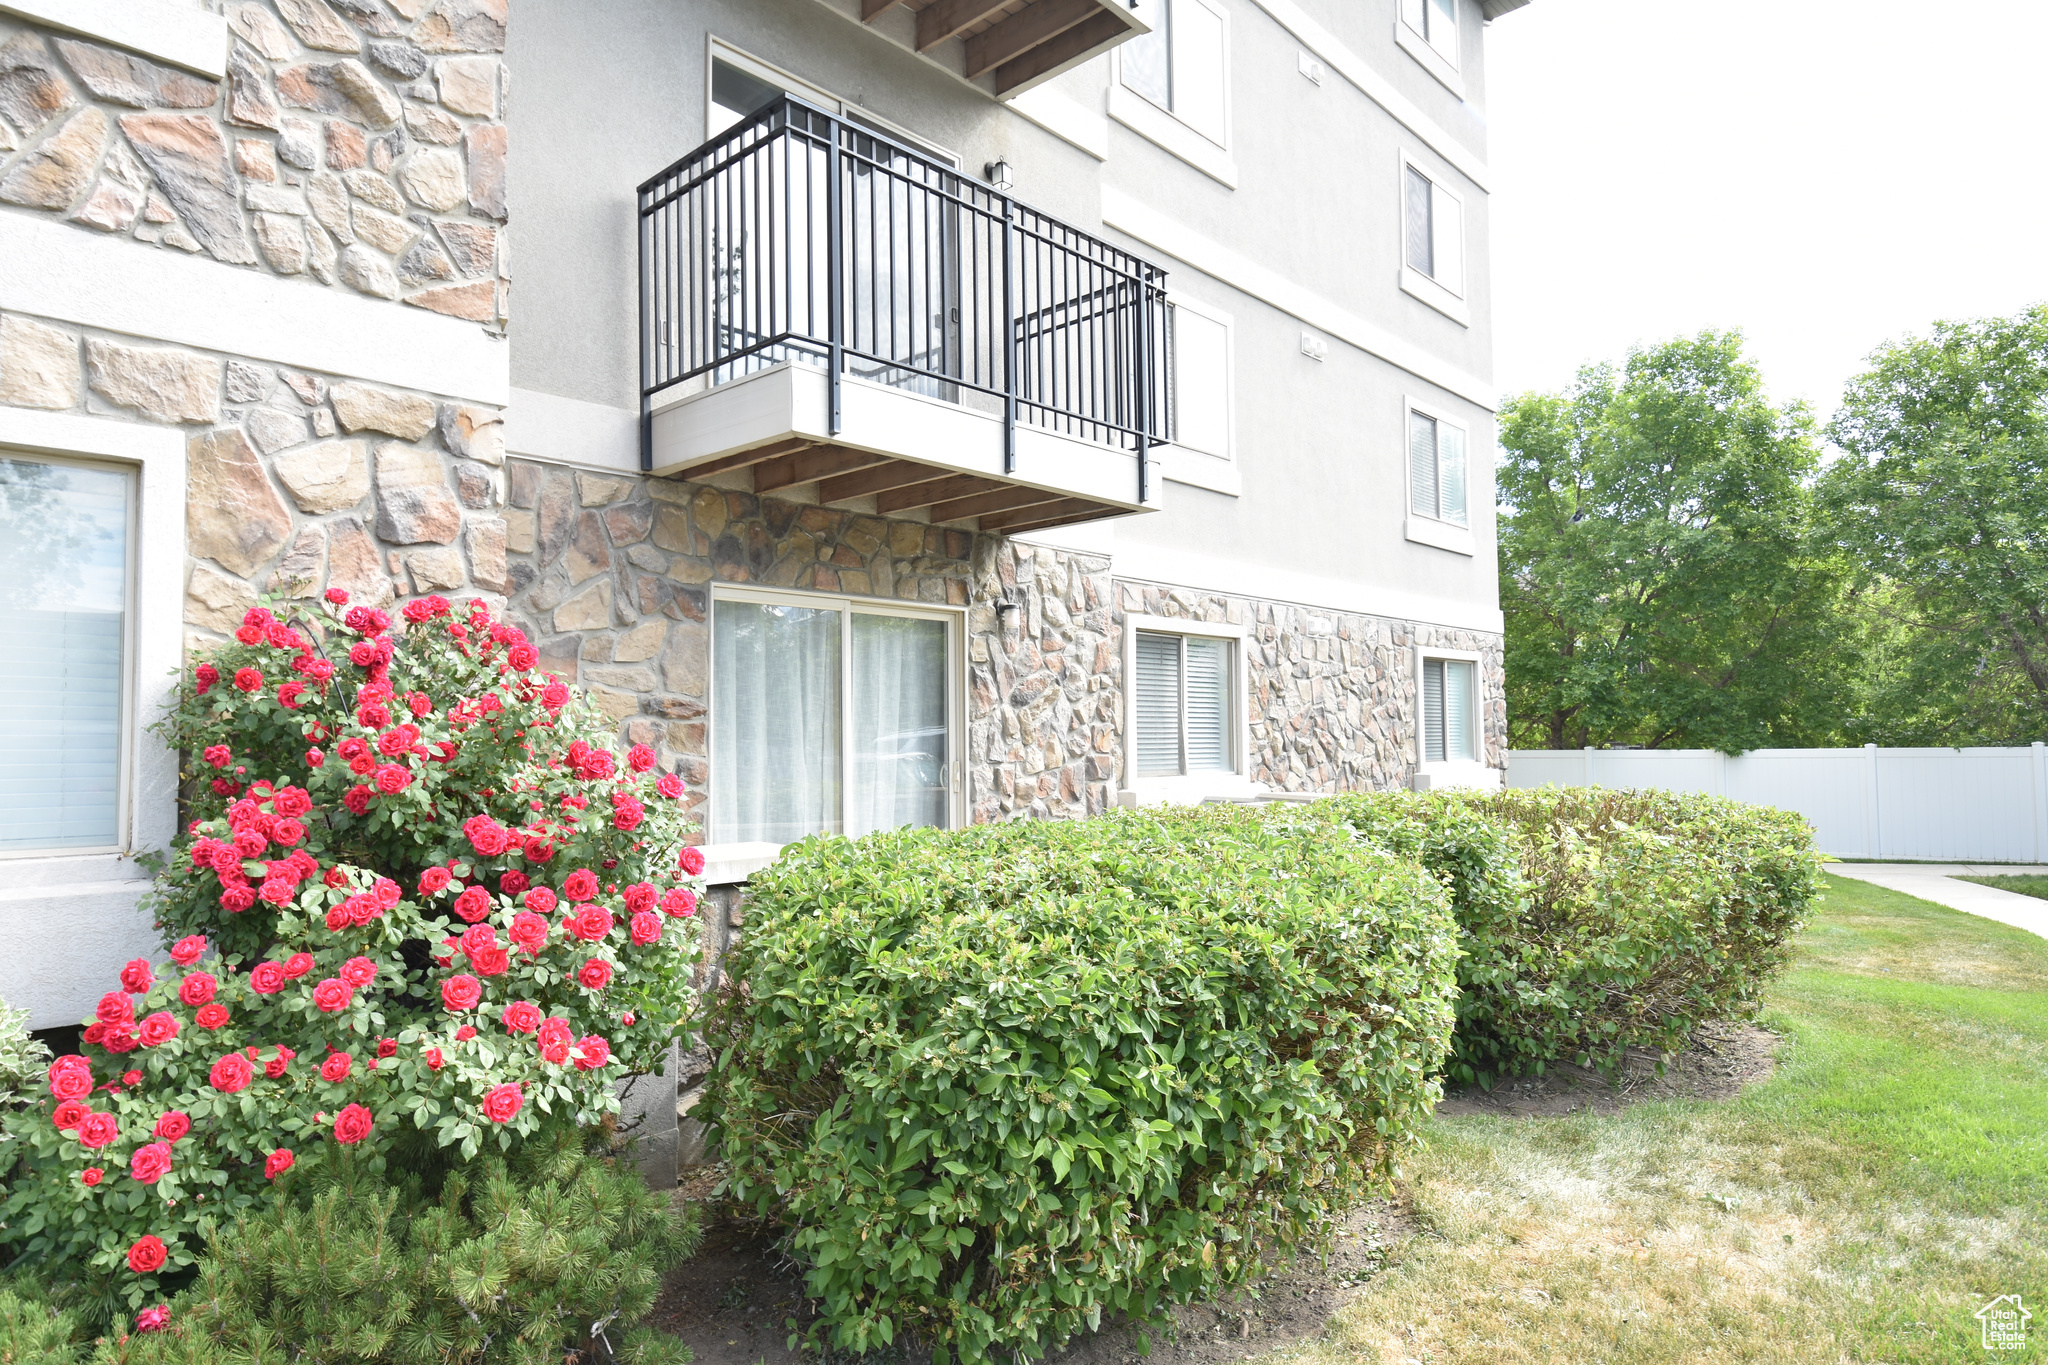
(899,723)
(63,609)
(775,737)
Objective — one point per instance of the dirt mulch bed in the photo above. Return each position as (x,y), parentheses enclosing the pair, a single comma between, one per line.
(732,1302)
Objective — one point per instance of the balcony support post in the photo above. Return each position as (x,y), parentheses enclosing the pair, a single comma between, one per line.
(835,273)
(646,339)
(1145,379)
(1010,343)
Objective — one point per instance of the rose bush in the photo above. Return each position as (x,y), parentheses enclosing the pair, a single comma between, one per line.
(405,918)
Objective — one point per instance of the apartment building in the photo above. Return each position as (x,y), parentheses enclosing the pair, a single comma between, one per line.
(913,411)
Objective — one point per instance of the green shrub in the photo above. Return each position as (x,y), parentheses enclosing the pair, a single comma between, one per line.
(997,1082)
(1593,920)
(22,1060)
(527,1260)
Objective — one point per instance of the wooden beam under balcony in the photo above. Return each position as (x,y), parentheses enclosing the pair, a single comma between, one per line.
(1022,32)
(740,459)
(871,10)
(809,466)
(982,504)
(894,474)
(1097,512)
(1100,31)
(1045,514)
(943,19)
(935,490)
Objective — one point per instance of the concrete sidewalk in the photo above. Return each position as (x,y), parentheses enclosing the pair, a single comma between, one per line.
(1937,882)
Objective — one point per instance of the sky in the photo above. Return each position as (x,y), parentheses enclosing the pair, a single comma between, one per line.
(1823,176)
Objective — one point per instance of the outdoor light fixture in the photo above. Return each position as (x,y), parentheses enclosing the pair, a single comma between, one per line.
(997,173)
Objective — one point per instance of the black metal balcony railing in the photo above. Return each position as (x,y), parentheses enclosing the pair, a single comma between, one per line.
(799,235)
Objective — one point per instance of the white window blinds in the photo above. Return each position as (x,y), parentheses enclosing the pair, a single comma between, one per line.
(1420,232)
(1448,705)
(1183,705)
(1436,468)
(64,607)
(1433,231)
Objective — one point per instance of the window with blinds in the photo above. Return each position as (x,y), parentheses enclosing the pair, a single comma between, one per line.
(1436,468)
(1447,710)
(1183,696)
(64,570)
(1433,231)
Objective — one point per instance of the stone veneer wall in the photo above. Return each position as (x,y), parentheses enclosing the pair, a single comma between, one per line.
(611,575)
(358,142)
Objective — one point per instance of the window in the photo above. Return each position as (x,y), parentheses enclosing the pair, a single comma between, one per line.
(1437,22)
(1449,694)
(1183,705)
(1179,65)
(828,715)
(1433,231)
(64,602)
(1436,467)
(1198,379)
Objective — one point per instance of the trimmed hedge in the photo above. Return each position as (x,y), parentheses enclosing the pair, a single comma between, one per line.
(999,1082)
(1594,920)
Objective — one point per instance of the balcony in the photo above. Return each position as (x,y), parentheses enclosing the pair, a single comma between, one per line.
(822,306)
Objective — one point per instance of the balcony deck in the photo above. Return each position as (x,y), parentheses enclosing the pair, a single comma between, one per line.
(822,306)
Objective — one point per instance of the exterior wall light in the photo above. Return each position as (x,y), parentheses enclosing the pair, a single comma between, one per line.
(997,173)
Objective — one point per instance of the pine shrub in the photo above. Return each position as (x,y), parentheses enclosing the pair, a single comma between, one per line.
(998,1082)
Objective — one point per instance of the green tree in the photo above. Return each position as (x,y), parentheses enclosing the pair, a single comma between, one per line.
(1941,501)
(1660,570)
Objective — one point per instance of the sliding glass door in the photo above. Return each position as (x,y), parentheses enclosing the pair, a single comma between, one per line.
(829,715)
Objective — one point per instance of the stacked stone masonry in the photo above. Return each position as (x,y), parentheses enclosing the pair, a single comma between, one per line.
(612,576)
(358,143)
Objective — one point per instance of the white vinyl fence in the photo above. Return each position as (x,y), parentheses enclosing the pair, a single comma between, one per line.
(1940,805)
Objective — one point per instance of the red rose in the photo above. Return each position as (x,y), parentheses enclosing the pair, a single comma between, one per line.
(297,965)
(338,596)
(197,989)
(336,1067)
(248,680)
(315,759)
(357,800)
(71,1077)
(596,974)
(461,993)
(98,1130)
(292,801)
(539,850)
(94,1034)
(118,1038)
(679,902)
(386,892)
(486,835)
(151,1163)
(434,881)
(211,1016)
(556,1053)
(188,950)
(491,962)
(131,1078)
(136,977)
(692,860)
(277,1163)
(352,1125)
(580,885)
(92,1175)
(288,695)
(288,832)
(68,1114)
(218,755)
(392,779)
(159,1029)
(473,904)
(174,1125)
(464,1034)
(521,1016)
(590,923)
(387,1047)
(332,996)
(231,1073)
(513,882)
(520,658)
(434,1062)
(555,696)
(149,1253)
(593,1052)
(115,1008)
(478,938)
(555,1029)
(267,978)
(540,900)
(529,931)
(153,1319)
(278,1065)
(502,1103)
(646,928)
(206,675)
(640,896)
(669,785)
(358,972)
(640,758)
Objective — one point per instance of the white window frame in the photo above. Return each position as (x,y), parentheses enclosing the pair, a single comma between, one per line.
(1449,301)
(70,915)
(1201,468)
(719,50)
(1168,130)
(1429,54)
(1145,790)
(754,856)
(1456,772)
(1428,530)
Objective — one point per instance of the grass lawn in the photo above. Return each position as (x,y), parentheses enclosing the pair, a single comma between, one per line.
(1860,1206)
(2025,884)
